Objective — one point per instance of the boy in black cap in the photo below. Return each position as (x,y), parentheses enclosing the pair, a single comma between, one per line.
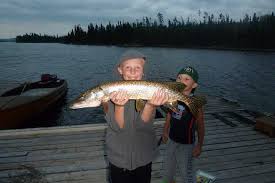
(179,133)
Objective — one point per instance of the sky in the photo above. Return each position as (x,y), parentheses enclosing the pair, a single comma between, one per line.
(58,17)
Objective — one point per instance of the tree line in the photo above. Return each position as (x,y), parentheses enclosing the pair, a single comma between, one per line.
(211,31)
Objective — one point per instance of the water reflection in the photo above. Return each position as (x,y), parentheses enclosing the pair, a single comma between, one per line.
(245,77)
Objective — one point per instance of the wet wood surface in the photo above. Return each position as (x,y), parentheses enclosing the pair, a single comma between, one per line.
(233,150)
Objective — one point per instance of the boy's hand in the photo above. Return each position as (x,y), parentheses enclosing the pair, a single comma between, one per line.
(119,98)
(159,98)
(165,137)
(197,150)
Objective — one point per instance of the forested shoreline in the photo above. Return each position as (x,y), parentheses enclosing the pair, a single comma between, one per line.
(250,32)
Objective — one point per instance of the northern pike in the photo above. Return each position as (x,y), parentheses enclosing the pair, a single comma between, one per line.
(138,90)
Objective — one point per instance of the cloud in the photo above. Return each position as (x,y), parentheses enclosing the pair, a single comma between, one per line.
(60,15)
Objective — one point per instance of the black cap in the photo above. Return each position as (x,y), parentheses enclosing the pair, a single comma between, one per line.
(191,72)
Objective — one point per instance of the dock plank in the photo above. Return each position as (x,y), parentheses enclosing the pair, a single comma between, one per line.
(233,151)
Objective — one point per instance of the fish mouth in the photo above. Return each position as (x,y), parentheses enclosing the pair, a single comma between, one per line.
(84,104)
(77,106)
(74,106)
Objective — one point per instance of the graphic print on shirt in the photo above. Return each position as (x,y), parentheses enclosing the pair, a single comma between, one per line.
(179,113)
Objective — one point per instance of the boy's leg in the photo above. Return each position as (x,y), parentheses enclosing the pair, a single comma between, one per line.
(142,174)
(184,160)
(169,163)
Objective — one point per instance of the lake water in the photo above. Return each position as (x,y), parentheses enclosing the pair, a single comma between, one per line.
(244,77)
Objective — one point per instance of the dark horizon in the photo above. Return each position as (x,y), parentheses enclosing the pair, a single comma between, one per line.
(8,39)
(214,31)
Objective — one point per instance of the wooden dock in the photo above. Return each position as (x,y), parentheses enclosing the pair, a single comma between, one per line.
(233,152)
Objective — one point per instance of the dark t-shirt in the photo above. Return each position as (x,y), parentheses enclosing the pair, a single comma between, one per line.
(182,125)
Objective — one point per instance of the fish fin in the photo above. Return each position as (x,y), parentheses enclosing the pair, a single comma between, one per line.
(140,104)
(194,103)
(173,106)
(176,85)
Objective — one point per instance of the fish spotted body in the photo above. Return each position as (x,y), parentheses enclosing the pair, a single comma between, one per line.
(137,90)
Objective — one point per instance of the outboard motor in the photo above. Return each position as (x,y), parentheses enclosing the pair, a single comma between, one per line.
(48,77)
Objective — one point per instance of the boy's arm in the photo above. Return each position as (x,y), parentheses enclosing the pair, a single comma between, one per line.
(119,98)
(165,134)
(105,107)
(148,111)
(118,113)
(201,130)
(159,98)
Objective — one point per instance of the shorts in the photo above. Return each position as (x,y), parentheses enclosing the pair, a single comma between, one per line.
(178,157)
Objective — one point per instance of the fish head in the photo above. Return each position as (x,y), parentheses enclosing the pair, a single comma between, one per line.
(91,98)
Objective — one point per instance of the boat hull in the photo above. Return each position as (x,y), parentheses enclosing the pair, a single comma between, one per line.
(33,106)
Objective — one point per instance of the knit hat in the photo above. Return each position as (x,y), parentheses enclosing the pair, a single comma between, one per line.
(131,54)
(191,72)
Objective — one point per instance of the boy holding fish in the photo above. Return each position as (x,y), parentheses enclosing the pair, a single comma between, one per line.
(179,133)
(131,143)
(130,140)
